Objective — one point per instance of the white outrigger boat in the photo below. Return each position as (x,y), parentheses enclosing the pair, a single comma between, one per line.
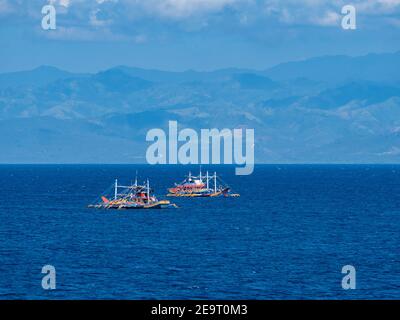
(132,197)
(201,186)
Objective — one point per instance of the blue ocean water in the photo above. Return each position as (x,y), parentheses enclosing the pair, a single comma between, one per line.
(287,237)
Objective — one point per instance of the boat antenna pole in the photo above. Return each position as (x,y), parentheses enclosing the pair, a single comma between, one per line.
(207,181)
(116,189)
(136,179)
(148,191)
(200,174)
(215,182)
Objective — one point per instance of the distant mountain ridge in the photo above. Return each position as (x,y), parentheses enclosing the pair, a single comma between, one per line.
(328,109)
(334,69)
(372,67)
(37,77)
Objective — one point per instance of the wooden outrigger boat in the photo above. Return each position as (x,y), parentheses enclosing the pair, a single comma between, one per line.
(201,186)
(132,197)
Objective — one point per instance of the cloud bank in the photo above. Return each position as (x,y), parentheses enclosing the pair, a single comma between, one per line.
(117,18)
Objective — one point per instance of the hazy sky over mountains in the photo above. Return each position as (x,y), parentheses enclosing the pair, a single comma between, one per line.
(190,34)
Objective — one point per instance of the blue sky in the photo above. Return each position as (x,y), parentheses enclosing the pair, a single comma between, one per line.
(92,35)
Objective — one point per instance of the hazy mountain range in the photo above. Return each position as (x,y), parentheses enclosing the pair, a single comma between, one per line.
(333,109)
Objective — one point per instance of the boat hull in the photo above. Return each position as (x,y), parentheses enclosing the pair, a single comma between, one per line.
(156,205)
(194,194)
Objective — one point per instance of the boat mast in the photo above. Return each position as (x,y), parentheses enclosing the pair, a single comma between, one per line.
(207,180)
(200,175)
(215,182)
(116,189)
(148,191)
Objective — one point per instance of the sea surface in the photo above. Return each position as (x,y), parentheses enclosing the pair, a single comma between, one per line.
(287,237)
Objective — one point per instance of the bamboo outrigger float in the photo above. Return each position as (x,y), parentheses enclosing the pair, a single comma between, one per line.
(201,186)
(132,197)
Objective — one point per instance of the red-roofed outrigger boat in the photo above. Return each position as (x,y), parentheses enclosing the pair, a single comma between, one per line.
(201,186)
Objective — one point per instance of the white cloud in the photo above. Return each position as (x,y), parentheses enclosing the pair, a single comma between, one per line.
(378,6)
(394,151)
(185,8)
(65,3)
(319,12)
(324,12)
(303,12)
(330,18)
(94,21)
(126,18)
(62,3)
